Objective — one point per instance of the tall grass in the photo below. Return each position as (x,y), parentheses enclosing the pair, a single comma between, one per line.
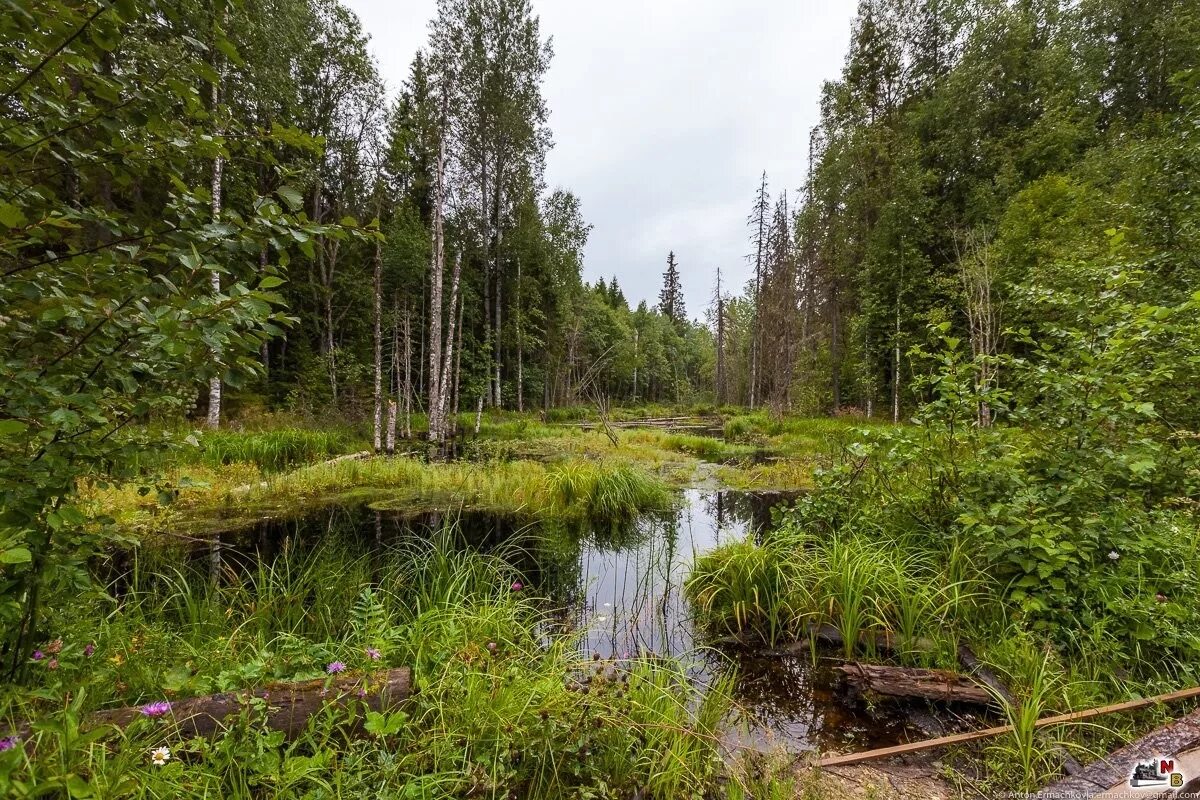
(274,450)
(499,711)
(866,588)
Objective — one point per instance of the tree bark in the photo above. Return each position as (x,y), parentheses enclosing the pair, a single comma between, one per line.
(435,282)
(407,373)
(377,430)
(218,174)
(930,684)
(520,347)
(448,363)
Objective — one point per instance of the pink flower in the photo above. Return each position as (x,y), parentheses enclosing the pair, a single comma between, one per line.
(8,743)
(373,654)
(89,648)
(158,708)
(335,667)
(52,664)
(517,586)
(38,655)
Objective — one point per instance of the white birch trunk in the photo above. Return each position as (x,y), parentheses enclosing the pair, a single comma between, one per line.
(435,285)
(218,174)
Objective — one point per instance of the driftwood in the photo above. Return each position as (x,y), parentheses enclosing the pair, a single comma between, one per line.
(929,684)
(960,738)
(288,705)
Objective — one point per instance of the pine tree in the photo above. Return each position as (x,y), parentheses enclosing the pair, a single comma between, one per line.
(670,298)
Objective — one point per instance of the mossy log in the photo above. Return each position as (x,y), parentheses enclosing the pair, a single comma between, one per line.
(928,684)
(288,705)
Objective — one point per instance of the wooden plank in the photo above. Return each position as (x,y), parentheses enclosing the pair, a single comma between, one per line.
(960,738)
(1113,770)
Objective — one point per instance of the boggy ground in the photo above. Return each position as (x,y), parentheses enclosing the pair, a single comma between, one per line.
(496,714)
(517,464)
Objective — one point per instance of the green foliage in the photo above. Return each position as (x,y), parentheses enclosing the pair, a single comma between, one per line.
(497,711)
(274,450)
(108,245)
(1078,519)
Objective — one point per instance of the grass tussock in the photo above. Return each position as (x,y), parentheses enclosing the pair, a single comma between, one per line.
(497,712)
(864,588)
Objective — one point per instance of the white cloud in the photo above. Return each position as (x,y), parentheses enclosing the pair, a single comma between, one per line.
(665,113)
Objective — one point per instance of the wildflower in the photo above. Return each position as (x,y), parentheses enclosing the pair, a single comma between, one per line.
(89,648)
(1113,555)
(160,756)
(492,647)
(38,655)
(517,586)
(335,667)
(55,647)
(156,709)
(1160,597)
(52,664)
(362,692)
(8,743)
(373,654)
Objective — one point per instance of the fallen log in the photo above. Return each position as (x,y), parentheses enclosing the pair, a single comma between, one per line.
(928,684)
(961,738)
(288,705)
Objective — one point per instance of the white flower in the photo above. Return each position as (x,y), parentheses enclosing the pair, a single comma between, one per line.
(1113,555)
(160,756)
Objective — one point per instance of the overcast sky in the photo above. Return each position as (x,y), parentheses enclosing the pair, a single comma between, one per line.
(665,113)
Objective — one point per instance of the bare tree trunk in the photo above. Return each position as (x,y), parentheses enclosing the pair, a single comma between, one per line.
(835,346)
(407,373)
(458,356)
(636,337)
(218,173)
(520,347)
(448,363)
(896,348)
(391,426)
(975,270)
(435,282)
(479,414)
(499,301)
(377,429)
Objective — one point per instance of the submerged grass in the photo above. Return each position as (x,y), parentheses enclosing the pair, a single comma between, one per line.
(499,711)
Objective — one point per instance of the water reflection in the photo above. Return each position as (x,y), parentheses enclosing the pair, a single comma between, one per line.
(618,587)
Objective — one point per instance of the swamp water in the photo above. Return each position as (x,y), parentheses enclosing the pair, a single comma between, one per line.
(620,588)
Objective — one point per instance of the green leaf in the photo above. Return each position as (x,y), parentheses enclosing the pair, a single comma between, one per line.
(11,216)
(17,555)
(270,282)
(11,427)
(291,196)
